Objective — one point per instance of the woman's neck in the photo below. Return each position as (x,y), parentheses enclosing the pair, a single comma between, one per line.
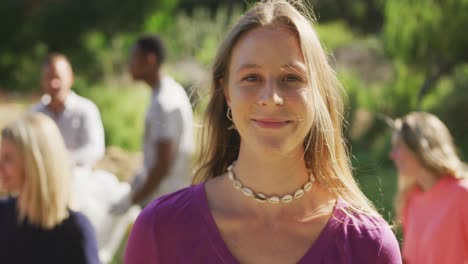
(271,175)
(427,179)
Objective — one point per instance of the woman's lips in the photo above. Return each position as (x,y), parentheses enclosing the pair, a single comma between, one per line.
(271,123)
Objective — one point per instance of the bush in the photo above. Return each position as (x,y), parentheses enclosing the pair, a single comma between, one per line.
(198,35)
(452,107)
(334,34)
(122,111)
(29,30)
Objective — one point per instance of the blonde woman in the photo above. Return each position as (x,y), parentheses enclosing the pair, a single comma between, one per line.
(274,183)
(36,224)
(433,190)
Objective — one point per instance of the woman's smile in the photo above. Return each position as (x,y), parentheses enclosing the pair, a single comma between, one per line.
(271,123)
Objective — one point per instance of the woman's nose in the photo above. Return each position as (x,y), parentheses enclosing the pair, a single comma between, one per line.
(270,94)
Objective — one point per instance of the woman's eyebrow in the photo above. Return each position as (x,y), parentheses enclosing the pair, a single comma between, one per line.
(247,66)
(296,66)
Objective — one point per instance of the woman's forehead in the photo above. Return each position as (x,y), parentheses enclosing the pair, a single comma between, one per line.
(265,46)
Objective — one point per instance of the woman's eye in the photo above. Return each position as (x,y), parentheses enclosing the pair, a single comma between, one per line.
(293,78)
(251,78)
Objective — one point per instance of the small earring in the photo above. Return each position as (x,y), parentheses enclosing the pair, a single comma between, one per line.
(229,116)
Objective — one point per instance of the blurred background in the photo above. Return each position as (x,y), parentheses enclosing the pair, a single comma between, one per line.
(392,56)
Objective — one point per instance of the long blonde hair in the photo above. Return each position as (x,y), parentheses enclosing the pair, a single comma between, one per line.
(45,195)
(325,151)
(430,140)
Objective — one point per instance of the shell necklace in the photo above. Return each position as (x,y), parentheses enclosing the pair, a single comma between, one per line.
(262,198)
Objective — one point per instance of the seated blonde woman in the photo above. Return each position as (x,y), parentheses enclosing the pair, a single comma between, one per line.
(433,190)
(36,222)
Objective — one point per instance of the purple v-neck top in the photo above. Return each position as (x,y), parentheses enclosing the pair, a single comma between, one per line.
(179,228)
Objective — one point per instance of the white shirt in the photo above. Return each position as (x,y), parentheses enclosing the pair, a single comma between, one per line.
(169,117)
(81,127)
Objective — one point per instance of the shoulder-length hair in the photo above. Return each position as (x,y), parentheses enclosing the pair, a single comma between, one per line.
(430,140)
(45,196)
(325,149)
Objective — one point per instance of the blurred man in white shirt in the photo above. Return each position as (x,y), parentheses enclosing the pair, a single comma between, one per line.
(78,118)
(168,140)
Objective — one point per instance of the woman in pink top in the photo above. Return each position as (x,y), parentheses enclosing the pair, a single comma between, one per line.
(432,201)
(274,183)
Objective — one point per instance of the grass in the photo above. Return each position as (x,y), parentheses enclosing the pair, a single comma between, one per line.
(122,111)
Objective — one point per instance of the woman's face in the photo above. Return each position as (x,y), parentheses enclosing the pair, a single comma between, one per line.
(268,91)
(11,167)
(406,162)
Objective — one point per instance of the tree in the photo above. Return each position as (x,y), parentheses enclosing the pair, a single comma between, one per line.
(31,28)
(429,35)
(365,16)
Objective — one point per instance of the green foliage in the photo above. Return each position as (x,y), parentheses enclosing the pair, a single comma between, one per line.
(335,34)
(359,94)
(24,68)
(122,111)
(394,98)
(425,30)
(400,96)
(377,180)
(452,107)
(199,34)
(427,35)
(32,28)
(361,15)
(103,58)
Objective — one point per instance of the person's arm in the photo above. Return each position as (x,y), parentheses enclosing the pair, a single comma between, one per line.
(93,147)
(164,132)
(165,154)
